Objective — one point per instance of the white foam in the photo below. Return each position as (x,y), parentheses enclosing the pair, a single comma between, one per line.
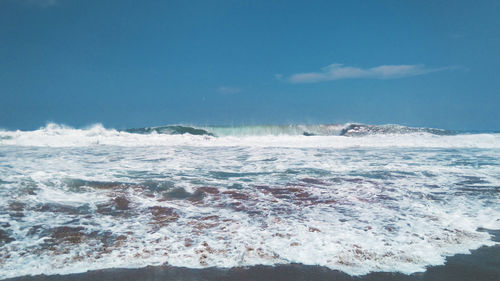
(54,135)
(401,207)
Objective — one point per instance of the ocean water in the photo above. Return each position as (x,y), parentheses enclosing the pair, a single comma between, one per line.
(356,198)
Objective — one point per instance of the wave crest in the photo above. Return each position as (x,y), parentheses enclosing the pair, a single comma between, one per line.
(290,130)
(333,136)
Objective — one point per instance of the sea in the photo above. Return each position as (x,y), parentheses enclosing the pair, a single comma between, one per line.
(354,198)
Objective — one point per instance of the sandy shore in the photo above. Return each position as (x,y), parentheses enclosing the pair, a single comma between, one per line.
(482,264)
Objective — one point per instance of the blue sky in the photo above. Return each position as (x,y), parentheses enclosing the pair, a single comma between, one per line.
(146,63)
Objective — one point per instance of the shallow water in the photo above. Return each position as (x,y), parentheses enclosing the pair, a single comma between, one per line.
(75,200)
(482,265)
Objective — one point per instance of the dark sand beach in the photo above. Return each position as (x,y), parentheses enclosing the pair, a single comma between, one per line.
(482,264)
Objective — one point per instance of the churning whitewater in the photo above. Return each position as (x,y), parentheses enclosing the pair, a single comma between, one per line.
(357,198)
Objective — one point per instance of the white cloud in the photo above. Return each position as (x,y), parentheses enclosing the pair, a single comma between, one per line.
(339,71)
(227,90)
(278,76)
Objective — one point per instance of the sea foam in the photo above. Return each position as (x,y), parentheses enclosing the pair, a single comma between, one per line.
(73,200)
(54,135)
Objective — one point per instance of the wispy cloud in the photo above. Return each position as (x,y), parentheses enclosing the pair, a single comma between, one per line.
(228,90)
(339,71)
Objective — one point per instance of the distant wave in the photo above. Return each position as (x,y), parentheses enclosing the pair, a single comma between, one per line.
(332,136)
(289,130)
(170,130)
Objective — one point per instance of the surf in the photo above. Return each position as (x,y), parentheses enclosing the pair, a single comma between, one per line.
(328,135)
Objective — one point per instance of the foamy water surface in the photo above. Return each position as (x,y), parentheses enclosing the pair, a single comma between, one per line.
(73,200)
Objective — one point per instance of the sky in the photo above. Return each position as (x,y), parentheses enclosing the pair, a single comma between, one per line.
(149,63)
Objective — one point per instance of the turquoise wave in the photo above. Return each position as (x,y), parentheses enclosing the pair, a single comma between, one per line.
(290,130)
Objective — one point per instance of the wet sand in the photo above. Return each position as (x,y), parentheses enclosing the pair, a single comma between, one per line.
(482,264)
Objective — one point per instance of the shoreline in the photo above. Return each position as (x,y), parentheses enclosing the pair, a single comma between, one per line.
(482,264)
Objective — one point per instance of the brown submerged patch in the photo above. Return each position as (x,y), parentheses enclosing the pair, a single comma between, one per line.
(210,218)
(105,209)
(16,206)
(117,206)
(120,240)
(208,190)
(328,201)
(341,261)
(203,259)
(236,195)
(207,247)
(355,180)
(197,197)
(16,209)
(63,239)
(294,189)
(73,235)
(239,207)
(121,203)
(288,192)
(203,252)
(263,188)
(262,254)
(281,192)
(280,235)
(303,195)
(198,226)
(163,214)
(188,242)
(314,229)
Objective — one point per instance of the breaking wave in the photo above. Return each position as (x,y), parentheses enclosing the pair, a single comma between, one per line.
(290,130)
(333,136)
